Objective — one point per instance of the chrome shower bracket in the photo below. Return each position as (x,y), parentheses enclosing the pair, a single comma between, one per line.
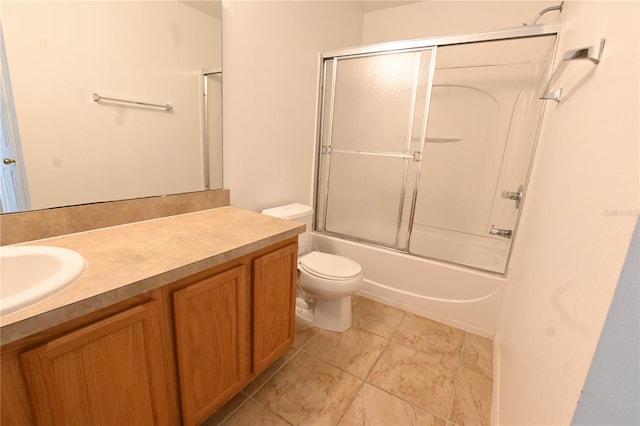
(552,96)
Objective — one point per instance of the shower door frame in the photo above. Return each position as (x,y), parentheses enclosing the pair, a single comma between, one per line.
(406,156)
(432,43)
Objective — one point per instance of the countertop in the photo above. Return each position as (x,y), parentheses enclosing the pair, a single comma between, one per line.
(127,260)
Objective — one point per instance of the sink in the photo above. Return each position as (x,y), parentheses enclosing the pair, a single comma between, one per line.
(29,274)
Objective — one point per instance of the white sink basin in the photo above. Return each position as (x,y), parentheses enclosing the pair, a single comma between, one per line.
(29,274)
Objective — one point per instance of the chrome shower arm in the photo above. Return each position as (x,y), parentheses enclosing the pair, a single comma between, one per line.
(534,21)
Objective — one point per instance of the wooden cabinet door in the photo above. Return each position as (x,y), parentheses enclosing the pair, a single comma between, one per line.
(107,373)
(274,296)
(211,331)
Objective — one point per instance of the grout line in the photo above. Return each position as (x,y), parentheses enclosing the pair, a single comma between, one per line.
(355,395)
(457,376)
(223,421)
(284,364)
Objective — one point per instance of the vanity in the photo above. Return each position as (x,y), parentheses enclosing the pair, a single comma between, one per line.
(170,319)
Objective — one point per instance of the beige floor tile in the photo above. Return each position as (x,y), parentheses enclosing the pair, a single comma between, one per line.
(477,355)
(415,377)
(373,406)
(429,337)
(471,399)
(309,391)
(376,317)
(354,351)
(264,377)
(255,414)
(226,410)
(304,333)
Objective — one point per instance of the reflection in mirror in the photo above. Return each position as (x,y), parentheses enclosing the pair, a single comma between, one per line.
(76,150)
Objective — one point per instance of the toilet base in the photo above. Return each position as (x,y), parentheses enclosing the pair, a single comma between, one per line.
(333,315)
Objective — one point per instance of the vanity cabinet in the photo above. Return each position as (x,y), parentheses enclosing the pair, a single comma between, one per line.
(212,341)
(101,374)
(274,294)
(230,326)
(173,355)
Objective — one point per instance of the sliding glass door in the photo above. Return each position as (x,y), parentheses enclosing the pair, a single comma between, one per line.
(374,119)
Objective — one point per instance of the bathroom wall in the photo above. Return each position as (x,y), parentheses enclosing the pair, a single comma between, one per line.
(271,59)
(75,150)
(582,206)
(436,18)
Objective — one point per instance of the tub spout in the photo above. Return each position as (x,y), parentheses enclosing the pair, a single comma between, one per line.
(504,233)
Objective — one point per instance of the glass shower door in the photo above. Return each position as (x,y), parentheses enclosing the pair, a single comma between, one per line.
(374,121)
(484,114)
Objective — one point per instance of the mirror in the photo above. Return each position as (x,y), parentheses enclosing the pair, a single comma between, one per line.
(89,84)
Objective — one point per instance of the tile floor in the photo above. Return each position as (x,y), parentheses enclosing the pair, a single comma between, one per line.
(390,368)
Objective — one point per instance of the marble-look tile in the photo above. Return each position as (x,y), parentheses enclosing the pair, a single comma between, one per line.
(354,351)
(226,410)
(269,372)
(415,377)
(376,317)
(309,391)
(373,406)
(471,399)
(477,355)
(429,337)
(255,414)
(304,333)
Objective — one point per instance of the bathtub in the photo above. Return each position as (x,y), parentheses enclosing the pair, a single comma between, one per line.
(482,252)
(461,297)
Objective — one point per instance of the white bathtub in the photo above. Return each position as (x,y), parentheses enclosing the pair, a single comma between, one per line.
(457,296)
(482,252)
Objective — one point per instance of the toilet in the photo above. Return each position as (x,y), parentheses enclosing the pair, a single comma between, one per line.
(325,281)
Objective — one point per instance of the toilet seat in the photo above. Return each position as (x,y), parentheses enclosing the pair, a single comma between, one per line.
(329,266)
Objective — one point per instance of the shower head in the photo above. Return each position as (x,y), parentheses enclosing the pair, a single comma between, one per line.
(534,20)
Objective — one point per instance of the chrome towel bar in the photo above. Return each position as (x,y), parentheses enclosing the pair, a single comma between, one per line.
(98,98)
(592,53)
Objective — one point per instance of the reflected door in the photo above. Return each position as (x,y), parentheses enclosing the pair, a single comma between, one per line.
(373,124)
(212,121)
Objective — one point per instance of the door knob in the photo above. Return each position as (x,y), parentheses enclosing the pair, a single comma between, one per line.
(8,161)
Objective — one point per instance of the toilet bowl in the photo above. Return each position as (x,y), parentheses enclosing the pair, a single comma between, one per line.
(325,281)
(329,281)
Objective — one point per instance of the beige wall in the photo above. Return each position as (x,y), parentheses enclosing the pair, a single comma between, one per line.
(77,151)
(582,206)
(437,18)
(271,58)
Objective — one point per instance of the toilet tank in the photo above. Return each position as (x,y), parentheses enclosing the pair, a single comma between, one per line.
(297,213)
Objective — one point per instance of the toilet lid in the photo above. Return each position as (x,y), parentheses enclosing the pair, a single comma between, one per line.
(329,266)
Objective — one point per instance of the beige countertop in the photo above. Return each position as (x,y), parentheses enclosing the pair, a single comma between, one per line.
(127,260)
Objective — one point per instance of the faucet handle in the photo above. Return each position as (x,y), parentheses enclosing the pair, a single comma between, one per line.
(515,196)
